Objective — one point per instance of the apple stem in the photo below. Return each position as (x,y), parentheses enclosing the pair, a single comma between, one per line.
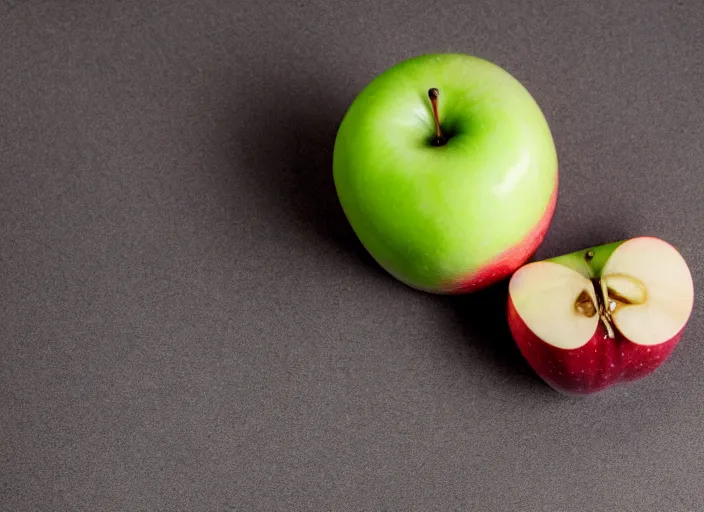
(588,257)
(433,95)
(603,305)
(584,305)
(602,297)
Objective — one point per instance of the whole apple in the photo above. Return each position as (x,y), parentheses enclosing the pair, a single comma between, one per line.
(601,316)
(447,171)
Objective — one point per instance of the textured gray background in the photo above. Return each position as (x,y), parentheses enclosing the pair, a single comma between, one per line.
(188,324)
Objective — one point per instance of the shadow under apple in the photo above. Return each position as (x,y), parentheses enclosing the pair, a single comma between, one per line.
(288,147)
(482,317)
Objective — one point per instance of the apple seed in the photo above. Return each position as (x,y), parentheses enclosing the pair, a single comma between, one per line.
(625,289)
(584,305)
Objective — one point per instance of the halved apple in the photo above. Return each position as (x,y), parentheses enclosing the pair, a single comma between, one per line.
(604,315)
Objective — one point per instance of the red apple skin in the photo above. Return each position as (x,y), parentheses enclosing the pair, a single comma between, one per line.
(511,259)
(593,367)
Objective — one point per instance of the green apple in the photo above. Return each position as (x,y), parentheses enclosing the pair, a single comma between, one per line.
(451,202)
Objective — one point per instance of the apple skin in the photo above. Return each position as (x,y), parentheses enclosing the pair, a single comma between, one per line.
(454,218)
(600,363)
(507,262)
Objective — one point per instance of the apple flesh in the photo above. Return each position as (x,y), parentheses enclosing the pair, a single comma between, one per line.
(601,316)
(448,212)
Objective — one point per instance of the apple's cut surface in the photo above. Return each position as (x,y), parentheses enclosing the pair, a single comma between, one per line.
(604,315)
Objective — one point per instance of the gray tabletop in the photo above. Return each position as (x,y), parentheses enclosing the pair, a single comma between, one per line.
(187,323)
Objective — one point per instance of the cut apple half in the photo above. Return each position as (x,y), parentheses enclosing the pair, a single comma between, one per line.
(666,290)
(556,303)
(644,293)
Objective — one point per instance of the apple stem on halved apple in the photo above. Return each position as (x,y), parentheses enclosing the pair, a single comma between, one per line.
(606,306)
(584,304)
(588,257)
(439,138)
